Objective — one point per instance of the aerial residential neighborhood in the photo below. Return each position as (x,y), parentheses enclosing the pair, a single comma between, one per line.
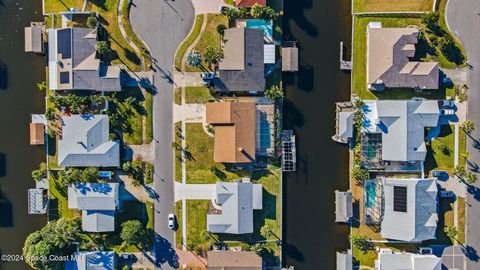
(239,134)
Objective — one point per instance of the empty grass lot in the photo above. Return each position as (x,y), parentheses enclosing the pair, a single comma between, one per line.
(441,151)
(201,169)
(198,95)
(392,5)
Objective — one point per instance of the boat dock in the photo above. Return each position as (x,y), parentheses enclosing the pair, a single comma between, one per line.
(289,152)
(344,65)
(344,118)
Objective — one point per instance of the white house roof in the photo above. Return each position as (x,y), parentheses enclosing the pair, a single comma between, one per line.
(402,125)
(98,221)
(410,211)
(84,142)
(408,261)
(344,260)
(95,260)
(237,201)
(93,196)
(343,206)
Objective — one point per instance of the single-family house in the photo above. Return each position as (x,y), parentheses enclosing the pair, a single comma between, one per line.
(84,141)
(242,68)
(229,259)
(393,132)
(391,260)
(73,62)
(92,260)
(410,209)
(234,124)
(98,203)
(389,65)
(232,210)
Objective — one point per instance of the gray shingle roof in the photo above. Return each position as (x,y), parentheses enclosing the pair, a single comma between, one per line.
(402,125)
(85,70)
(343,206)
(419,221)
(242,68)
(237,201)
(388,64)
(84,142)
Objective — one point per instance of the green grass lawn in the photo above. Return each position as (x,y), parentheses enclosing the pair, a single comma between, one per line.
(178,232)
(444,62)
(58,206)
(177,96)
(122,52)
(392,5)
(461,220)
(198,95)
(52,6)
(438,158)
(182,49)
(197,222)
(149,117)
(462,146)
(201,169)
(178,153)
(210,37)
(132,132)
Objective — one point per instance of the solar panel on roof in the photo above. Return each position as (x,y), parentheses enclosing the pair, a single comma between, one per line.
(400,199)
(64,77)
(64,41)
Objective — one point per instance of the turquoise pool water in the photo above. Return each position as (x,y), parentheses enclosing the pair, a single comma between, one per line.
(371,194)
(262,25)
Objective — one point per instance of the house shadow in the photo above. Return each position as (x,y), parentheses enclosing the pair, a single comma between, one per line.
(293,116)
(6,211)
(305,76)
(165,252)
(3,165)
(3,76)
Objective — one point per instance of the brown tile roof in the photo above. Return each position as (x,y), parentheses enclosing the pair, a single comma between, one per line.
(234,124)
(233,260)
(37,134)
(388,63)
(250,3)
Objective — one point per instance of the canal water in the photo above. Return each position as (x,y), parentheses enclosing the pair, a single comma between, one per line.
(310,235)
(19,97)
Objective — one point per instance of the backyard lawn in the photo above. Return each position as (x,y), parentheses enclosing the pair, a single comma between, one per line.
(392,5)
(201,169)
(58,205)
(198,95)
(52,6)
(440,152)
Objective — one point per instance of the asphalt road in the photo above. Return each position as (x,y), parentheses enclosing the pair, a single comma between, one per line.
(463,18)
(163,24)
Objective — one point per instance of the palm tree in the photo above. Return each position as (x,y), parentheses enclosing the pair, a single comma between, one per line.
(468,126)
(471,177)
(451,231)
(42,86)
(102,48)
(274,92)
(92,21)
(266,231)
(194,58)
(256,11)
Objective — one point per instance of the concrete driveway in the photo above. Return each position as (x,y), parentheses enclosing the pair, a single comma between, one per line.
(207,6)
(194,191)
(163,25)
(463,19)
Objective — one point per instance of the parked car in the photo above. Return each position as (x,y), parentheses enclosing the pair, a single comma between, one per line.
(447,194)
(171,221)
(440,174)
(447,112)
(207,75)
(448,103)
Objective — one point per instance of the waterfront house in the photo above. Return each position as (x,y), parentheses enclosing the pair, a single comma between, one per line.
(229,259)
(343,206)
(98,203)
(232,210)
(389,64)
(250,3)
(410,209)
(83,141)
(73,62)
(242,67)
(234,124)
(392,260)
(393,133)
(92,260)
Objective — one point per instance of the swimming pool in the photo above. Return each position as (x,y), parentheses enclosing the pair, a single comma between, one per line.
(370,194)
(262,25)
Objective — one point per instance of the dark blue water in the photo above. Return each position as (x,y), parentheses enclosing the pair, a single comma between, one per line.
(310,235)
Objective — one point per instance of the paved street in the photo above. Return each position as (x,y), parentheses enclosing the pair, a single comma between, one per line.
(163,24)
(463,18)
